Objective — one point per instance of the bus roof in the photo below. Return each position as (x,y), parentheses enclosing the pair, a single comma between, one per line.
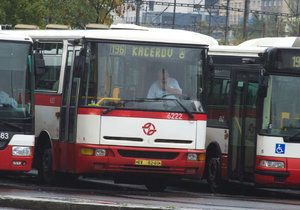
(14,37)
(159,35)
(272,42)
(236,50)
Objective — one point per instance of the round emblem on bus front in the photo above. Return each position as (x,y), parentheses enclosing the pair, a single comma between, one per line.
(149,129)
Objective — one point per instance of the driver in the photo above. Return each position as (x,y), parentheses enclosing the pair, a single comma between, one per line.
(164,86)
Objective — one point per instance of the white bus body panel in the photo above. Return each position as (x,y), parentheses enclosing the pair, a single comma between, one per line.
(92,128)
(22,140)
(218,135)
(266,146)
(46,119)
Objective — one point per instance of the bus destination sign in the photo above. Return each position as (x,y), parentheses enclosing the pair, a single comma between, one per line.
(147,51)
(285,60)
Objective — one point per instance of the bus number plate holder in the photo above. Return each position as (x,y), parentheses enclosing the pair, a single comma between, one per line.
(140,162)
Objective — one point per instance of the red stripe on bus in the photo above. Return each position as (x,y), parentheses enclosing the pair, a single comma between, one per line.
(46,99)
(141,114)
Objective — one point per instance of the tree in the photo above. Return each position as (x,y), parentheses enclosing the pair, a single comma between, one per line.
(76,13)
(104,9)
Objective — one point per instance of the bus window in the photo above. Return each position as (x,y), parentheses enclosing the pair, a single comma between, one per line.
(52,54)
(218,101)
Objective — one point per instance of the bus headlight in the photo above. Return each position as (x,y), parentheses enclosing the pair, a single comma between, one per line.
(272,164)
(192,156)
(100,152)
(21,151)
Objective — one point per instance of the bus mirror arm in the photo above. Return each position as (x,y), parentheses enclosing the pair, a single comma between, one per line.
(263,86)
(79,64)
(39,64)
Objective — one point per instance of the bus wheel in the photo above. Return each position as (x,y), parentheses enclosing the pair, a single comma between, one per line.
(46,172)
(214,174)
(156,186)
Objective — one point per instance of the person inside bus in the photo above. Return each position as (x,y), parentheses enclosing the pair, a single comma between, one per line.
(6,101)
(165,86)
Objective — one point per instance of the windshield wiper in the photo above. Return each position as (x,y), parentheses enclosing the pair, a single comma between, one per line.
(109,109)
(186,110)
(290,138)
(189,113)
(6,106)
(19,128)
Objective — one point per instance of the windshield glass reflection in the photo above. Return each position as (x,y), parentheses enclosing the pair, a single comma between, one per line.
(142,77)
(281,111)
(15,93)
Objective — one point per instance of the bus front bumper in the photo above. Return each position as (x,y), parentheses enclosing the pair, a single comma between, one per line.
(15,161)
(120,159)
(289,176)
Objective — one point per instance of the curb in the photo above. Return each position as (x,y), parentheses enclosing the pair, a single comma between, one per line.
(47,204)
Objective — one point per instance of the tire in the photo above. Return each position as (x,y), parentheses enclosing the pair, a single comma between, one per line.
(156,186)
(214,174)
(45,171)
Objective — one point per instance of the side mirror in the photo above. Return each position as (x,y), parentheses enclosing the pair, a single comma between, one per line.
(39,64)
(263,86)
(78,65)
(211,68)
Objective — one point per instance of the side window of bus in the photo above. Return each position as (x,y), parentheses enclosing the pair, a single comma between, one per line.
(52,55)
(218,101)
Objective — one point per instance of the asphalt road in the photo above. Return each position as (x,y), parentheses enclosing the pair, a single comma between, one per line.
(22,192)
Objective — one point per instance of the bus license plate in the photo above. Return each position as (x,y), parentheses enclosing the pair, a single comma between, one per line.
(148,162)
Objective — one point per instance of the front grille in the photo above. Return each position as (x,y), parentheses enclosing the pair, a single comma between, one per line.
(175,141)
(118,138)
(146,168)
(148,154)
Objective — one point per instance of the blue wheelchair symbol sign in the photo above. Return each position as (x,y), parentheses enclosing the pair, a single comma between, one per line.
(280,148)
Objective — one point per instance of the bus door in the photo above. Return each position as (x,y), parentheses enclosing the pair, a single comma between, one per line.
(68,118)
(242,142)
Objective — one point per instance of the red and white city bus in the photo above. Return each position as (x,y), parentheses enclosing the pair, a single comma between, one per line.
(16,103)
(253,114)
(93,110)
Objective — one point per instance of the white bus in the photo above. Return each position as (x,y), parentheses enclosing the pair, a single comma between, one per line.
(253,114)
(124,102)
(16,103)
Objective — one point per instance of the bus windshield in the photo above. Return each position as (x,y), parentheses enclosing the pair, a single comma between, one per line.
(281,111)
(15,91)
(144,77)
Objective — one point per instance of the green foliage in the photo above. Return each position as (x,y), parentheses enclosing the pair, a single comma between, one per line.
(260,26)
(76,13)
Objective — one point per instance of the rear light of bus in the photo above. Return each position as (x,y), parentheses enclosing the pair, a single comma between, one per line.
(272,164)
(21,151)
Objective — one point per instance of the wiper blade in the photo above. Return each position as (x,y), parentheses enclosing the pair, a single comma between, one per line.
(150,99)
(19,128)
(189,113)
(186,110)
(6,106)
(109,109)
(123,102)
(292,138)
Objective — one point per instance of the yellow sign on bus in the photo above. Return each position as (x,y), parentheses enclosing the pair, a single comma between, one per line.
(147,51)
